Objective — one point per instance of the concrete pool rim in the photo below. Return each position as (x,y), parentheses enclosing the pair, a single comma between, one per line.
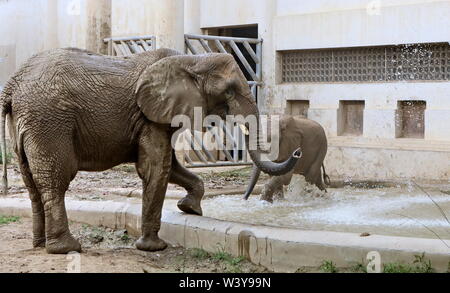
(278,249)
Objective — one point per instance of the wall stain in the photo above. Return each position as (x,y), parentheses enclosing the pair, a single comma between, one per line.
(244,243)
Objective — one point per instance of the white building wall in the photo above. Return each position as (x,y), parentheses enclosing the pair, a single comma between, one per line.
(28,27)
(32,26)
(303,24)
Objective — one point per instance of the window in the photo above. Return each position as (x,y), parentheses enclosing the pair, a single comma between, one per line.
(367,64)
(350,118)
(297,108)
(410,119)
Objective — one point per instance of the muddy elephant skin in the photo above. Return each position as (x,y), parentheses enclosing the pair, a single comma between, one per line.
(310,136)
(70,110)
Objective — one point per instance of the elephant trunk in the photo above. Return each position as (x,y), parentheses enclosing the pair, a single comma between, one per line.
(245,106)
(254,178)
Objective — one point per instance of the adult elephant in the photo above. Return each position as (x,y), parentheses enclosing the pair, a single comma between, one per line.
(72,110)
(294,132)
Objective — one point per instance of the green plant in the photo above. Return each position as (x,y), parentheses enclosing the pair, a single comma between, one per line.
(397,268)
(422,265)
(199,253)
(233,264)
(125,237)
(419,265)
(6,220)
(358,268)
(328,267)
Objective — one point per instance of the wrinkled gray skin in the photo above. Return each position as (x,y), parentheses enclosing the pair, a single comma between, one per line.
(72,110)
(294,132)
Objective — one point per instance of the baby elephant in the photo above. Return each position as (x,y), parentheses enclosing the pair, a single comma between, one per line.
(295,132)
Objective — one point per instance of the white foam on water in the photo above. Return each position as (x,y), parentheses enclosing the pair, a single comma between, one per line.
(305,206)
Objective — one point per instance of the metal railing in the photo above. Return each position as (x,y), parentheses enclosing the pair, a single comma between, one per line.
(219,44)
(126,46)
(246,51)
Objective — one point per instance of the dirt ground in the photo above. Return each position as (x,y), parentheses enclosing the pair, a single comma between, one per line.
(123,181)
(107,251)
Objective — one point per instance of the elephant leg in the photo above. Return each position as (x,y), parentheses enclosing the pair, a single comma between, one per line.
(37,207)
(285,180)
(192,183)
(52,172)
(153,167)
(274,188)
(314,175)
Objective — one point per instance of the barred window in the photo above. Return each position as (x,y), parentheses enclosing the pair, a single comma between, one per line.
(368,64)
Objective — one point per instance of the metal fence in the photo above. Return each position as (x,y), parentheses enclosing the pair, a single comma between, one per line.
(246,51)
(240,47)
(126,46)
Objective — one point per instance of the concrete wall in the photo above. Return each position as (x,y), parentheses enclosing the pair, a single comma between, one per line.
(28,27)
(32,26)
(162,18)
(294,24)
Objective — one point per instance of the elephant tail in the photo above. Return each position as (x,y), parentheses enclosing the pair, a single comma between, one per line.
(326,178)
(4,110)
(254,178)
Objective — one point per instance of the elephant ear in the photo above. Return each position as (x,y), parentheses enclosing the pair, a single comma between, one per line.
(167,88)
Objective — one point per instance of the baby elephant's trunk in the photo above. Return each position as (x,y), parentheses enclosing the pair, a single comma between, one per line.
(254,178)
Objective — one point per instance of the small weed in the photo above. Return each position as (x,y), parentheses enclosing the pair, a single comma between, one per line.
(125,238)
(328,267)
(233,264)
(199,253)
(358,268)
(397,268)
(419,265)
(6,220)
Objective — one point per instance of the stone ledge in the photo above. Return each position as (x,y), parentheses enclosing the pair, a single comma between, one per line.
(278,249)
(400,144)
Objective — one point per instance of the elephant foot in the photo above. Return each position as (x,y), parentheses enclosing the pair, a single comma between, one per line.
(63,245)
(148,244)
(190,206)
(279,195)
(267,198)
(38,242)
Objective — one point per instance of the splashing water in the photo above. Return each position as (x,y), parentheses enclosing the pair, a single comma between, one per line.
(400,210)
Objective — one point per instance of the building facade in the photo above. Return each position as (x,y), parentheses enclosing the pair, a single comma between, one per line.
(374,73)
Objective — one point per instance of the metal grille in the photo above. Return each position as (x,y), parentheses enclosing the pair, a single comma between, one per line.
(126,46)
(234,153)
(368,64)
(200,44)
